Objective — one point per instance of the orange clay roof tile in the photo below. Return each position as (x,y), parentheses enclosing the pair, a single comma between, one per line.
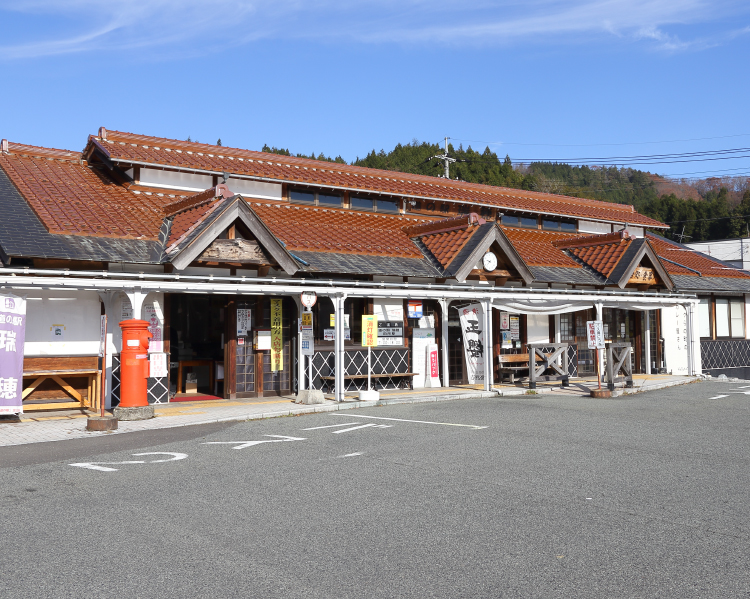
(536,247)
(70,197)
(446,246)
(313,229)
(693,260)
(132,148)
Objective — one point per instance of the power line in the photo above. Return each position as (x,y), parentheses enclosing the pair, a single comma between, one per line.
(700,220)
(630,143)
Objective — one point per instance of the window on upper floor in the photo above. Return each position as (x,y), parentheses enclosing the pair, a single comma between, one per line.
(556,225)
(314,198)
(519,221)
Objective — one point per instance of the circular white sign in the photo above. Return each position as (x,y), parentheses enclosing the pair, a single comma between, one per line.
(489,261)
(308,299)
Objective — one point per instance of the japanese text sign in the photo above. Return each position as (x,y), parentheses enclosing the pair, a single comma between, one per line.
(595,329)
(369,331)
(12,335)
(277,344)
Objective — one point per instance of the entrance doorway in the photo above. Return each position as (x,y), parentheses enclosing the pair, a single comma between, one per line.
(197,325)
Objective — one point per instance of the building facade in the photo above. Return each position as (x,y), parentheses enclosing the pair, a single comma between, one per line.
(215,246)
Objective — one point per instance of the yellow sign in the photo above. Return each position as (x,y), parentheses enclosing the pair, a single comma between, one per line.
(277,343)
(307,321)
(369,331)
(333,320)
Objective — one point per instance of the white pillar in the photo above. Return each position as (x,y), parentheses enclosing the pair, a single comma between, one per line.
(647,339)
(110,299)
(488,357)
(136,297)
(689,312)
(301,386)
(444,304)
(338,345)
(600,316)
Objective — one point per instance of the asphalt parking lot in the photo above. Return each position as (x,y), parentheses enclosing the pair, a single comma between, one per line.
(531,496)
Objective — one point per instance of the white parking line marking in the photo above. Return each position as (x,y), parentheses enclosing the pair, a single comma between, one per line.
(719,397)
(351,455)
(744,387)
(315,428)
(106,468)
(244,444)
(741,392)
(474,426)
(368,425)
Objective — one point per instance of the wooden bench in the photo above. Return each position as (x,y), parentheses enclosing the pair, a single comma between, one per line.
(330,379)
(59,376)
(511,364)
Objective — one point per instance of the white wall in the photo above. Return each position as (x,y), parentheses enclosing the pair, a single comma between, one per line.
(635,231)
(122,311)
(255,189)
(587,226)
(674,331)
(78,313)
(538,328)
(175,180)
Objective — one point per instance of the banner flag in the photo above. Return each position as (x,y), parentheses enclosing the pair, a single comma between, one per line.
(12,335)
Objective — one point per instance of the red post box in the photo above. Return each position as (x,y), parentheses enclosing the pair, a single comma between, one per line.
(134,364)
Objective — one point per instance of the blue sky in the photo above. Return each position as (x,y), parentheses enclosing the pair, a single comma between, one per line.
(538,78)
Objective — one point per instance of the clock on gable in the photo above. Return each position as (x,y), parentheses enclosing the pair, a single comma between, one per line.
(489,261)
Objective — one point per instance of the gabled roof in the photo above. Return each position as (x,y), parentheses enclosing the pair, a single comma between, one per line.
(457,244)
(132,149)
(615,256)
(681,260)
(199,225)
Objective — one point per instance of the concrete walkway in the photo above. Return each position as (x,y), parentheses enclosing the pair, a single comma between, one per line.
(36,427)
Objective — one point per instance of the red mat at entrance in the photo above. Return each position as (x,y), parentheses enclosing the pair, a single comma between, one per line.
(195,398)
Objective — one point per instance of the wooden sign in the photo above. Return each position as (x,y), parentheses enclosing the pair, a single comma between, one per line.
(235,250)
(643,276)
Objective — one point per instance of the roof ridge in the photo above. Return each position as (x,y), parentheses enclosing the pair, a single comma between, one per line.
(491,190)
(591,240)
(9,147)
(197,199)
(444,225)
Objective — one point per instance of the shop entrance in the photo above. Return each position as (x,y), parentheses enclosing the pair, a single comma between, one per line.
(253,372)
(197,333)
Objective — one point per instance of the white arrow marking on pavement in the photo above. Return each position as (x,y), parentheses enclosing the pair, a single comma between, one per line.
(368,425)
(742,392)
(99,465)
(244,444)
(351,455)
(315,428)
(474,426)
(718,397)
(744,387)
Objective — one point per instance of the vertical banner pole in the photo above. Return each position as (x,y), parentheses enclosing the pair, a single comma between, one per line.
(369,367)
(102,386)
(598,371)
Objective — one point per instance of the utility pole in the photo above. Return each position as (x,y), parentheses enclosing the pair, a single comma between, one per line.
(446,159)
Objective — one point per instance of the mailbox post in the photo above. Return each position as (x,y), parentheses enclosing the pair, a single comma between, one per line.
(134,370)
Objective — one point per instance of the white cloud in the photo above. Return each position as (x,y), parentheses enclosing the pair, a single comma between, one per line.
(196,26)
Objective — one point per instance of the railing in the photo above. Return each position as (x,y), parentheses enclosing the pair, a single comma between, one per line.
(618,361)
(545,356)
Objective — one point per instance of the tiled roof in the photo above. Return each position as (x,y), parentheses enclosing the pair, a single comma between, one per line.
(304,228)
(70,197)
(145,150)
(446,246)
(186,220)
(536,247)
(682,255)
(600,252)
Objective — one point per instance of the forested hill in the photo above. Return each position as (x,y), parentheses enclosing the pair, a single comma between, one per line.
(698,208)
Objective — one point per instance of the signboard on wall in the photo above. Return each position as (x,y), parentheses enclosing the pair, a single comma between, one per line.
(471,318)
(153,317)
(414,309)
(390,332)
(243,321)
(157,365)
(515,328)
(504,321)
(12,335)
(277,343)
